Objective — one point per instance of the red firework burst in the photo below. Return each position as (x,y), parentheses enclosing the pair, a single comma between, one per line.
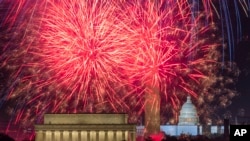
(167,46)
(92,56)
(81,46)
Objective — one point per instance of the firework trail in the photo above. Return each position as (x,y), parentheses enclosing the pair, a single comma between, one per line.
(81,50)
(171,53)
(72,56)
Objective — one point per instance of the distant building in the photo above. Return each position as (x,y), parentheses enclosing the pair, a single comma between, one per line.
(85,127)
(188,114)
(188,123)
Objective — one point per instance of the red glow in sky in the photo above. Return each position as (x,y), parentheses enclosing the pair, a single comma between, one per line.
(101,56)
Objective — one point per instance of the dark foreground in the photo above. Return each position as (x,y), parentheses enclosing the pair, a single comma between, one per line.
(4,137)
(185,138)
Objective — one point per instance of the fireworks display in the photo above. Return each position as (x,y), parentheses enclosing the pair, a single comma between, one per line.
(75,56)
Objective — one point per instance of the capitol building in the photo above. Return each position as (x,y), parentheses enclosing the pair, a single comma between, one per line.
(188,114)
(188,123)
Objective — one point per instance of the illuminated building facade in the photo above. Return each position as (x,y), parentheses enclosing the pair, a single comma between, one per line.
(188,114)
(87,127)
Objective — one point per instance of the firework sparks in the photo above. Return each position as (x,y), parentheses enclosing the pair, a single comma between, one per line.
(93,56)
(73,52)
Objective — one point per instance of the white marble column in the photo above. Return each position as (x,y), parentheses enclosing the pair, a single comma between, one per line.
(48,136)
(75,136)
(39,135)
(84,136)
(65,136)
(57,136)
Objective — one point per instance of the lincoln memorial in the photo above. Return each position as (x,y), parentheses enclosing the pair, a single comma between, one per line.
(85,127)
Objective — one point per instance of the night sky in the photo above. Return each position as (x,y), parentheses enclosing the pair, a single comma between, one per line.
(241,57)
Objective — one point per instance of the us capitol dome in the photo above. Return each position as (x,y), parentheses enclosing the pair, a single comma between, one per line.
(188,114)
